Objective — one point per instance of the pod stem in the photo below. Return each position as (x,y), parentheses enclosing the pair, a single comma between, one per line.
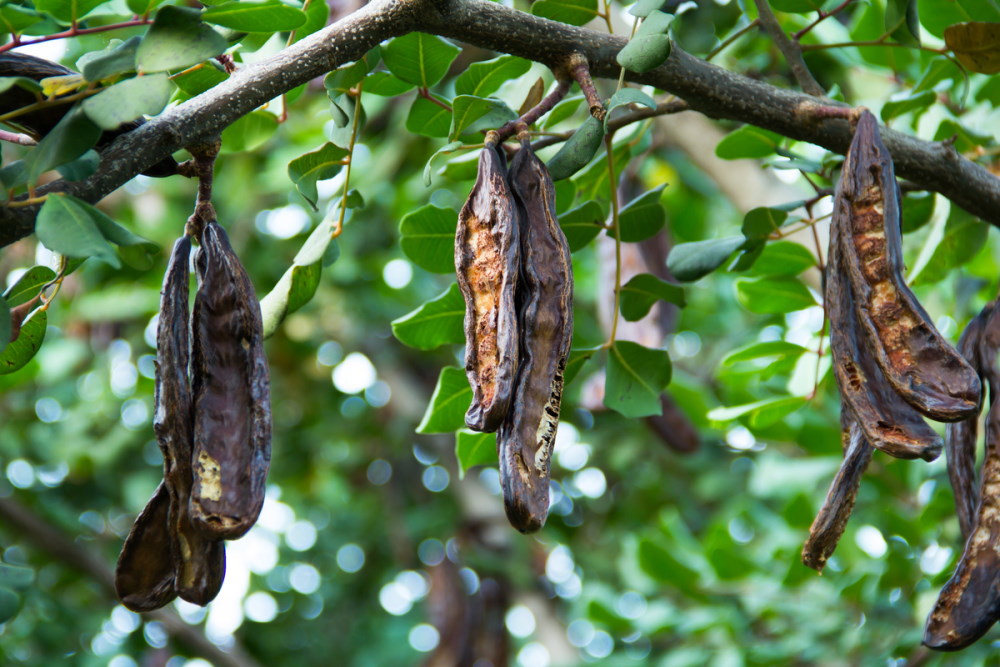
(202,167)
(509,128)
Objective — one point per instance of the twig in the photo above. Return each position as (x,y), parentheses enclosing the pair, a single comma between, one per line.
(548,102)
(790,49)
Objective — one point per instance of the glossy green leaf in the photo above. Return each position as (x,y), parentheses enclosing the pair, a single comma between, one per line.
(582,224)
(427,237)
(642,217)
(419,58)
(573,12)
(21,351)
(449,402)
(128,100)
(636,376)
(773,294)
(255,16)
(437,322)
(177,39)
(691,261)
(319,165)
(474,449)
(428,118)
(470,114)
(485,78)
(640,293)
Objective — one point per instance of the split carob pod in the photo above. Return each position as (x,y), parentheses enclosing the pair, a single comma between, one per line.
(830,522)
(487,259)
(919,363)
(527,436)
(232,407)
(888,422)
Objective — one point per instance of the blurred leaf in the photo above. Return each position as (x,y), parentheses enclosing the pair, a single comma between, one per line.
(691,261)
(485,78)
(177,39)
(427,237)
(319,165)
(773,294)
(255,16)
(419,58)
(573,12)
(474,449)
(438,322)
(976,45)
(451,399)
(640,293)
(636,376)
(642,217)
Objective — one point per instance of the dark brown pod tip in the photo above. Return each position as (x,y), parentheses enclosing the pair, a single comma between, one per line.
(487,257)
(144,575)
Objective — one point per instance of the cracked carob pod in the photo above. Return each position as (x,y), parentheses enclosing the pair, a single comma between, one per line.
(829,524)
(888,422)
(919,363)
(487,257)
(232,407)
(527,436)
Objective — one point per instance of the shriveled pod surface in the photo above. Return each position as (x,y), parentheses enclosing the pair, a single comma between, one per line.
(145,573)
(919,363)
(887,421)
(527,436)
(232,406)
(487,257)
(830,522)
(200,560)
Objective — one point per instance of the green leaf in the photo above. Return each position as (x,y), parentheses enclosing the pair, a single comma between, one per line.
(29,285)
(249,132)
(964,237)
(578,358)
(636,376)
(759,414)
(783,258)
(10,604)
(470,114)
(485,78)
(642,217)
(437,322)
(578,150)
(748,142)
(691,261)
(474,449)
(177,39)
(582,224)
(773,294)
(573,12)
(385,84)
(919,102)
(318,165)
(67,11)
(117,58)
(251,16)
(451,399)
(128,100)
(773,348)
(760,222)
(427,237)
(20,352)
(66,227)
(419,58)
(428,118)
(73,136)
(640,293)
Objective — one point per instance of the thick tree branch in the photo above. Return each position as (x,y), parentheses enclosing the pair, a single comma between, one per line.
(73,555)
(706,88)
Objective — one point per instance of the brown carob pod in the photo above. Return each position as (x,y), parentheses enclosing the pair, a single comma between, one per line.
(232,407)
(829,524)
(487,257)
(919,363)
(886,420)
(961,437)
(200,560)
(527,436)
(144,575)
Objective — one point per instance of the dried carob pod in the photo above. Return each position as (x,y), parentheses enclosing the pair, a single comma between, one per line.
(829,524)
(919,363)
(487,257)
(232,408)
(887,422)
(145,573)
(527,436)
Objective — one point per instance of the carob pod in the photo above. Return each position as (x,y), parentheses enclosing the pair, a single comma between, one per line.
(487,257)
(232,407)
(919,363)
(145,573)
(961,437)
(829,524)
(527,436)
(887,421)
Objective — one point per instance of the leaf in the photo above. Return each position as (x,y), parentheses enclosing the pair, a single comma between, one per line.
(249,132)
(759,414)
(773,294)
(470,114)
(964,237)
(427,237)
(691,261)
(783,258)
(451,399)
(582,224)
(67,11)
(485,78)
(419,58)
(976,45)
(177,39)
(640,293)
(760,222)
(73,136)
(573,12)
(437,322)
(642,217)
(748,142)
(319,165)
(636,376)
(117,58)
(251,16)
(29,285)
(474,449)
(772,348)
(128,100)
(578,358)
(428,118)
(20,352)
(919,102)
(65,227)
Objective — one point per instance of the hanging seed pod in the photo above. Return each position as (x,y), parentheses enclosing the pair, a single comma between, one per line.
(887,422)
(919,363)
(830,522)
(232,407)
(144,575)
(527,435)
(487,256)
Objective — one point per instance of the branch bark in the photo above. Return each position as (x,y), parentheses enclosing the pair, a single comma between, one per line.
(73,555)
(706,88)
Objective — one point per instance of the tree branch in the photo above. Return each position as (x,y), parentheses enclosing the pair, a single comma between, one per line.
(706,88)
(75,556)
